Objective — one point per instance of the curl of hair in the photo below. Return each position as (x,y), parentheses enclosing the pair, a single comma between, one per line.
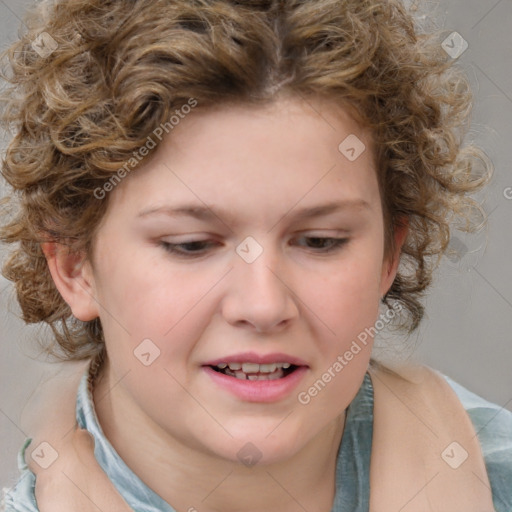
(121,68)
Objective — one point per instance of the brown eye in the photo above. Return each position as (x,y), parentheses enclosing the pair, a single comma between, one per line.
(191,249)
(324,244)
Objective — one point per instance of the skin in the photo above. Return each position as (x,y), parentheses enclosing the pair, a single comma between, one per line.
(177,430)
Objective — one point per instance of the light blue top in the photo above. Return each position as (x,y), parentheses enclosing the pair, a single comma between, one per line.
(492,423)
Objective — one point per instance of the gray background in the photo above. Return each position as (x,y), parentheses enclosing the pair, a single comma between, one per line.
(467,333)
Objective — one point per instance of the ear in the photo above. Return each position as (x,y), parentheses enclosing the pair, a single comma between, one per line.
(390,264)
(73,277)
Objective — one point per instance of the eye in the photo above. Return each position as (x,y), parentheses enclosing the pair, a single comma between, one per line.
(190,249)
(198,248)
(324,244)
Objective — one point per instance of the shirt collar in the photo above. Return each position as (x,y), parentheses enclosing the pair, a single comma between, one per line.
(133,490)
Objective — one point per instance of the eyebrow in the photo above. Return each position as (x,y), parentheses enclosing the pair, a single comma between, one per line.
(212,213)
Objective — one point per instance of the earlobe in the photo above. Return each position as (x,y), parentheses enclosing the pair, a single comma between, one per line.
(390,266)
(72,275)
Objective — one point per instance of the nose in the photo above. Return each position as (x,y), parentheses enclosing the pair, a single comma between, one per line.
(259,295)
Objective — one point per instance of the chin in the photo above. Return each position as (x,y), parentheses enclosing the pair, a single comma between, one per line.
(260,449)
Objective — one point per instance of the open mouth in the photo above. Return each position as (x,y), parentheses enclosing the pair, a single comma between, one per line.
(257,378)
(254,371)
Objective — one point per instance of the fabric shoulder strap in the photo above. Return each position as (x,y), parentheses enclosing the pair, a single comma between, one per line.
(426,456)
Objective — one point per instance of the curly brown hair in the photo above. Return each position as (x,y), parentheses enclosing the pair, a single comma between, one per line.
(119,69)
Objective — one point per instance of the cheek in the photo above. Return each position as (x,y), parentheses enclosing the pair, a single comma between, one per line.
(348,296)
(347,304)
(138,290)
(142,300)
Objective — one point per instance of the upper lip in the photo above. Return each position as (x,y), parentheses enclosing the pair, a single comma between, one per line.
(252,357)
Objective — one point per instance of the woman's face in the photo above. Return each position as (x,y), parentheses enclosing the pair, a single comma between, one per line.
(251,237)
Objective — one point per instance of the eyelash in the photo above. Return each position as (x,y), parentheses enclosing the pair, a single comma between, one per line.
(336,244)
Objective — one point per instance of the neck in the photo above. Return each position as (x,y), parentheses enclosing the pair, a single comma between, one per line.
(193,481)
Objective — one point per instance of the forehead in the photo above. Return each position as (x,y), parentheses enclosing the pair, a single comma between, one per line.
(289,119)
(272,156)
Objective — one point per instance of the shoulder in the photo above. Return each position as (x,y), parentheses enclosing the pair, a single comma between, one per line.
(492,423)
(493,426)
(21,497)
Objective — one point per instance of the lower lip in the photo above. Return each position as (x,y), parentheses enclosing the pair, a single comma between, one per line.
(258,390)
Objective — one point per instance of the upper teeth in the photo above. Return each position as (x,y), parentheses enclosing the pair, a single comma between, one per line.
(254,367)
